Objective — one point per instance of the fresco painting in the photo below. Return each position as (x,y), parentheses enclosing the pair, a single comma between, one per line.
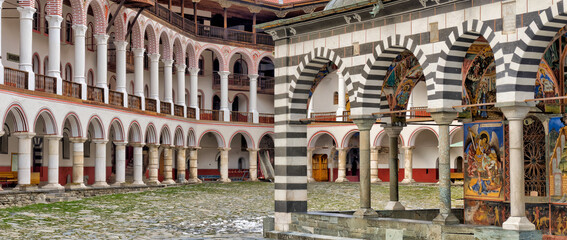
(558,225)
(538,214)
(402,76)
(479,80)
(487,213)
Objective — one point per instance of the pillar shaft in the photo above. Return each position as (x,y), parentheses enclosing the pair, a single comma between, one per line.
(310,165)
(341,92)
(53,162)
(78,162)
(224,164)
(364,126)
(168,166)
(26,53)
(181,168)
(253,158)
(393,134)
(121,70)
(154,76)
(53,68)
(100,163)
(153,164)
(138,164)
(374,165)
(194,88)
(253,97)
(193,170)
(120,162)
(79,67)
(408,165)
(224,95)
(168,80)
(102,63)
(24,158)
(341,173)
(139,75)
(180,84)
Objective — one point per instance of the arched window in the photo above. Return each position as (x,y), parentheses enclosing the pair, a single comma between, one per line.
(112,83)
(90,37)
(36,24)
(146,91)
(240,67)
(69,29)
(201,65)
(68,72)
(35,63)
(45,64)
(90,78)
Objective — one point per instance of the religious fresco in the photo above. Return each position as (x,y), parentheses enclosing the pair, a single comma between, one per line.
(484,157)
(479,80)
(558,224)
(557,135)
(486,213)
(538,214)
(550,76)
(402,76)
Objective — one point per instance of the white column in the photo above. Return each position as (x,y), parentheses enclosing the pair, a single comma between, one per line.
(310,165)
(224,165)
(168,80)
(26,51)
(194,91)
(120,163)
(180,84)
(341,173)
(180,161)
(24,159)
(408,165)
(193,170)
(375,151)
(79,68)
(53,69)
(153,165)
(253,97)
(121,70)
(102,63)
(253,170)
(341,92)
(139,75)
(167,165)
(138,164)
(224,95)
(100,163)
(53,162)
(1,65)
(78,163)
(154,78)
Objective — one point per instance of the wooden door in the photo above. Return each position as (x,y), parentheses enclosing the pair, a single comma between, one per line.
(320,169)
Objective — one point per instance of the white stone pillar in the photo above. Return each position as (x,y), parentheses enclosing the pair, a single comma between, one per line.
(138,164)
(24,159)
(121,70)
(53,162)
(79,68)
(194,91)
(53,68)
(310,164)
(374,165)
(1,65)
(341,174)
(180,84)
(253,162)
(100,163)
(102,63)
(193,170)
(154,78)
(139,75)
(515,113)
(253,97)
(364,124)
(341,92)
(181,167)
(224,95)
(224,165)
(78,163)
(120,163)
(153,165)
(408,165)
(168,81)
(26,50)
(167,165)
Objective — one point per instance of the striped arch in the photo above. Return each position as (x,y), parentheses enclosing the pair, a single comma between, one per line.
(78,11)
(317,135)
(117,128)
(448,77)
(165,135)
(530,47)
(252,66)
(76,129)
(218,53)
(53,7)
(368,94)
(179,137)
(347,137)
(19,116)
(50,124)
(247,136)
(135,133)
(151,134)
(150,31)
(191,141)
(218,136)
(137,36)
(415,133)
(166,43)
(120,26)
(382,134)
(179,50)
(97,128)
(190,53)
(100,12)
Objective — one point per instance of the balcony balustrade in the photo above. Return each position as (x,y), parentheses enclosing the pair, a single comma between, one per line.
(45,84)
(72,89)
(178,110)
(419,112)
(95,94)
(240,116)
(115,98)
(266,118)
(191,113)
(151,105)
(134,102)
(213,115)
(165,108)
(15,78)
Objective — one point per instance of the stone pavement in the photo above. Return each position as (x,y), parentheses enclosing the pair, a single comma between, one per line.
(202,211)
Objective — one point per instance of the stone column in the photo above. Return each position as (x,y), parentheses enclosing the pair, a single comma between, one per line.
(393,134)
(341,173)
(138,164)
(53,162)
(100,163)
(78,163)
(168,80)
(79,67)
(24,159)
(26,53)
(194,91)
(515,113)
(374,165)
(121,70)
(193,173)
(224,165)
(443,119)
(120,163)
(181,164)
(341,92)
(408,163)
(53,69)
(364,125)
(310,164)
(153,165)
(139,75)
(253,170)
(253,97)
(154,78)
(1,65)
(224,95)
(102,63)
(167,165)
(180,84)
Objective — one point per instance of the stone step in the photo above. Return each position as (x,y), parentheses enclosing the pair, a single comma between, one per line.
(303,236)
(456,236)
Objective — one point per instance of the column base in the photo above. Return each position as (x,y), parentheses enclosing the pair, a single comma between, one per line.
(253,180)
(138,183)
(118,184)
(194,180)
(341,180)
(518,224)
(394,205)
(153,183)
(100,184)
(25,187)
(225,180)
(365,212)
(73,186)
(446,219)
(182,181)
(310,180)
(53,186)
(168,182)
(408,180)
(375,180)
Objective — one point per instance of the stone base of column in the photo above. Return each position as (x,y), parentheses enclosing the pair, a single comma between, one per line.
(73,186)
(518,224)
(100,185)
(446,219)
(194,180)
(254,180)
(310,180)
(408,180)
(375,180)
(26,187)
(139,183)
(365,212)
(53,186)
(394,205)
(341,180)
(168,182)
(181,178)
(118,184)
(224,180)
(153,183)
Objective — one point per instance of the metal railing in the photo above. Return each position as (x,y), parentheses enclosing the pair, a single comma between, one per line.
(191,113)
(266,117)
(71,89)
(115,98)
(134,102)
(95,94)
(240,116)
(15,78)
(45,84)
(207,114)
(165,108)
(178,110)
(151,105)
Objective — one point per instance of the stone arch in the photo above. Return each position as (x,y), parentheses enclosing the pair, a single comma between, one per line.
(218,136)
(135,133)
(269,134)
(217,51)
(382,134)
(191,141)
(247,136)
(415,133)
(16,112)
(120,26)
(137,37)
(151,134)
(117,128)
(52,7)
(152,38)
(454,132)
(317,135)
(74,123)
(252,66)
(179,137)
(347,137)
(48,120)
(164,37)
(179,50)
(78,11)
(190,53)
(165,135)
(97,127)
(448,77)
(261,56)
(100,11)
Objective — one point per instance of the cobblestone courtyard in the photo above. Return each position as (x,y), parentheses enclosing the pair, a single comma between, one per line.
(208,210)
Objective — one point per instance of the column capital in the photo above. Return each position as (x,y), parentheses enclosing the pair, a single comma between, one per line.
(253,77)
(54,21)
(377,148)
(153,145)
(223,74)
(101,39)
(443,117)
(79,30)
(341,149)
(26,12)
(181,67)
(393,131)
(100,141)
(364,123)
(194,71)
(120,45)
(515,110)
(120,143)
(408,147)
(53,137)
(138,52)
(223,149)
(180,147)
(192,148)
(137,144)
(252,149)
(167,146)
(78,139)
(23,135)
(167,62)
(154,57)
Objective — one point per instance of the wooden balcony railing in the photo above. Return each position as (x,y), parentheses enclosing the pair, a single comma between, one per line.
(115,98)
(71,89)
(215,115)
(134,102)
(419,112)
(240,116)
(266,118)
(191,113)
(112,61)
(165,107)
(178,110)
(240,36)
(266,84)
(15,78)
(324,116)
(151,105)
(45,84)
(264,39)
(210,31)
(95,94)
